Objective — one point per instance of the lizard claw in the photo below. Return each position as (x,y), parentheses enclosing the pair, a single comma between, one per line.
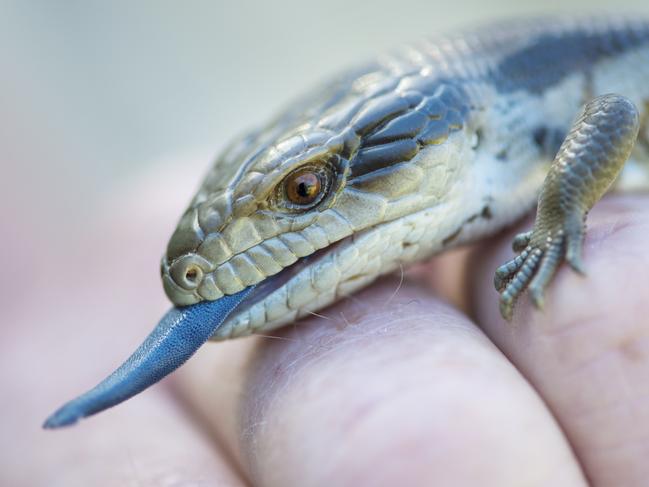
(534,267)
(521,241)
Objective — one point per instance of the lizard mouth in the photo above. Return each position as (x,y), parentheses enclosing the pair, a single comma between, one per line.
(262,307)
(309,284)
(177,337)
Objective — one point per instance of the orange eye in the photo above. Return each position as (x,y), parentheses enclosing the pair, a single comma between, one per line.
(303,187)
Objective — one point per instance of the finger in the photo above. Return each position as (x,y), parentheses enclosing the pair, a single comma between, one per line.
(588,352)
(212,386)
(445,274)
(386,390)
(94,305)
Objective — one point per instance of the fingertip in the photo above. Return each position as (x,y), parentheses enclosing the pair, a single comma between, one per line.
(409,392)
(615,241)
(572,351)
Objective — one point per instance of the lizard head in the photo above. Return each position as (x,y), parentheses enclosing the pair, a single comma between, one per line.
(315,206)
(301,209)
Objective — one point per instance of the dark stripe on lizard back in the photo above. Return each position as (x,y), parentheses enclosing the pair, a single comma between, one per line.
(549,58)
(533,62)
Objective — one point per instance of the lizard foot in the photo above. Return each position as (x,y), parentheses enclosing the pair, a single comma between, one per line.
(541,254)
(588,161)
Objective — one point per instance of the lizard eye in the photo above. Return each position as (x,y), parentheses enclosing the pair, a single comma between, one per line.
(306,187)
(303,187)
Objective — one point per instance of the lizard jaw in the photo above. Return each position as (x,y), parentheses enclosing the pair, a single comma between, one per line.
(315,281)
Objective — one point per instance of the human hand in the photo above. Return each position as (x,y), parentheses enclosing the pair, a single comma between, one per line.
(390,386)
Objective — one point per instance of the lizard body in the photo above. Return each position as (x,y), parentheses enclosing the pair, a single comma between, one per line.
(438,144)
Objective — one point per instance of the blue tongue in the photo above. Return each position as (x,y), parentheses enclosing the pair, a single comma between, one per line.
(177,337)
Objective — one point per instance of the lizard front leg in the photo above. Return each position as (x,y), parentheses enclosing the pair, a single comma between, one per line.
(587,164)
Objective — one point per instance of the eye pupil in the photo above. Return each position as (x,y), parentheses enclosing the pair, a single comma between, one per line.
(304,190)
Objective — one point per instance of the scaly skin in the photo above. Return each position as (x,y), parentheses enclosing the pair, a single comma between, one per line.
(440,144)
(437,145)
(585,167)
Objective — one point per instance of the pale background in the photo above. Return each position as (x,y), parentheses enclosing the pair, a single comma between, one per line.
(92,91)
(97,96)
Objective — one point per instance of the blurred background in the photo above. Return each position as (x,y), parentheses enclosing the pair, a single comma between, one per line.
(93,91)
(97,98)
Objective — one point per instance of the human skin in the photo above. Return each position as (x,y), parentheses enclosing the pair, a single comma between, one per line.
(392,386)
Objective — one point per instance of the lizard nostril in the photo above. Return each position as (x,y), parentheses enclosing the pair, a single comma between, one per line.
(188,271)
(192,274)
